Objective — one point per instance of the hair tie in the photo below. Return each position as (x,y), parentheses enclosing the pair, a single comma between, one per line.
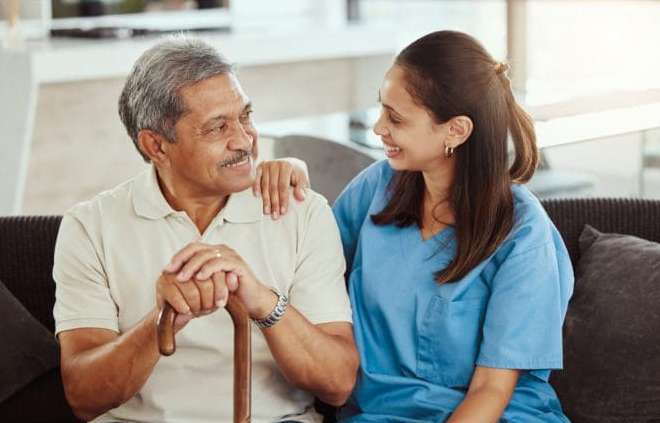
(500,68)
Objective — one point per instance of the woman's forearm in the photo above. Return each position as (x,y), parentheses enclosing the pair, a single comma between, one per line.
(488,396)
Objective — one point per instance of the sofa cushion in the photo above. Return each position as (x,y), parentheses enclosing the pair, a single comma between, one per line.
(612,332)
(46,391)
(27,349)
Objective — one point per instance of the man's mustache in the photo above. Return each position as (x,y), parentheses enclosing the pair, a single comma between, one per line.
(240,155)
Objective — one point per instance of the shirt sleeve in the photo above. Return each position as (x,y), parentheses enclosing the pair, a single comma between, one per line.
(352,207)
(318,290)
(525,312)
(82,295)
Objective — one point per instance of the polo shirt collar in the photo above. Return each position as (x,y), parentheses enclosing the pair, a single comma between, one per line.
(149,201)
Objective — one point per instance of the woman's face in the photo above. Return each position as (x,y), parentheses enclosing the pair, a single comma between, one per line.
(411,138)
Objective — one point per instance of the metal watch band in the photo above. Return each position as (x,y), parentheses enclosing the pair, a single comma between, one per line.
(274,315)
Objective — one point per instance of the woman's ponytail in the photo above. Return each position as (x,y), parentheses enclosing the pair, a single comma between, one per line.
(521,128)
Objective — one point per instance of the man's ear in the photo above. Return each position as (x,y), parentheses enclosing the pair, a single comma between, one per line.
(460,129)
(153,146)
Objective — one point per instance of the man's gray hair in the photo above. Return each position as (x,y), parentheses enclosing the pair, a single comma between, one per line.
(150,97)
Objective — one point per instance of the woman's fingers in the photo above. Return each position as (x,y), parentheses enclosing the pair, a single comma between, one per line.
(273,188)
(256,185)
(265,188)
(273,181)
(299,178)
(283,184)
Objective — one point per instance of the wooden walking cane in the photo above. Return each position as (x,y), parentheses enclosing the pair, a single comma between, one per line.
(242,352)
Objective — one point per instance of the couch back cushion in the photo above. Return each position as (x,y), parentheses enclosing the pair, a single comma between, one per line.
(612,332)
(27,244)
(632,216)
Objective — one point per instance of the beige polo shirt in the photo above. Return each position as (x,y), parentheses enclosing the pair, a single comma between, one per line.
(111,250)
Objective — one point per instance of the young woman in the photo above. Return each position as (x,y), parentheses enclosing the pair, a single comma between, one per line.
(458,280)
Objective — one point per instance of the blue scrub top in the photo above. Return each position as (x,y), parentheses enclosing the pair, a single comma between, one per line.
(419,341)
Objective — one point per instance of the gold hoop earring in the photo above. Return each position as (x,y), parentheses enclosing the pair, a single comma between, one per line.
(449,151)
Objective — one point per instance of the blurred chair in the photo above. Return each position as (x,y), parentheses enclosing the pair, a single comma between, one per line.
(650,159)
(549,182)
(331,165)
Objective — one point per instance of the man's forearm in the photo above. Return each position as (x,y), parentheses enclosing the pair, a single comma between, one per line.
(313,359)
(104,377)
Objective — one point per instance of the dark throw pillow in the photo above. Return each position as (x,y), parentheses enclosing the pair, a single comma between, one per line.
(612,332)
(27,349)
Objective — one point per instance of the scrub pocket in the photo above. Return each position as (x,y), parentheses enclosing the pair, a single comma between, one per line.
(449,339)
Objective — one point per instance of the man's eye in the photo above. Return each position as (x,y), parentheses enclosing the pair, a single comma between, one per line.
(394,121)
(218,128)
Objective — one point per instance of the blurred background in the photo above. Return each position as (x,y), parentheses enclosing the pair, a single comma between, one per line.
(587,71)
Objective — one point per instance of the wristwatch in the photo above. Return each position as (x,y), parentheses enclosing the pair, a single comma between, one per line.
(277,312)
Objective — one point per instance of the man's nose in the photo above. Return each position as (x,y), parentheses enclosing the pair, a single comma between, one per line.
(240,139)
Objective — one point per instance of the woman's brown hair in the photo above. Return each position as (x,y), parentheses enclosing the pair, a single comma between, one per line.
(451,74)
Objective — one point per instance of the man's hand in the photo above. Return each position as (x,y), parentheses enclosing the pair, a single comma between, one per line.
(272,182)
(200,276)
(191,298)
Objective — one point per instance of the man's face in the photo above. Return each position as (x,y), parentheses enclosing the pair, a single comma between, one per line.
(214,152)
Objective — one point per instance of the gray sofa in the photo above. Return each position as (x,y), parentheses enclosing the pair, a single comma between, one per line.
(598,384)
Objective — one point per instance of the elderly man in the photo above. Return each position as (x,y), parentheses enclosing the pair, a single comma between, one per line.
(188,231)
